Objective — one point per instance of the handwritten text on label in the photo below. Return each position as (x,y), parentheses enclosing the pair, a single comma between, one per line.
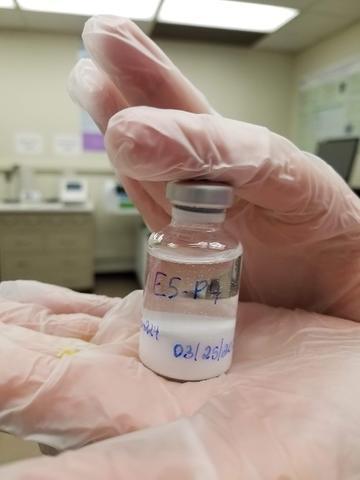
(170,287)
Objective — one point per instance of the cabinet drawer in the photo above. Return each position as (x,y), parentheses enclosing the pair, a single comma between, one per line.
(70,242)
(19,221)
(73,271)
(27,267)
(69,271)
(55,221)
(72,262)
(29,242)
(67,221)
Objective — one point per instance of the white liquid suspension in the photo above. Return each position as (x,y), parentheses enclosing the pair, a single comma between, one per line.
(189,316)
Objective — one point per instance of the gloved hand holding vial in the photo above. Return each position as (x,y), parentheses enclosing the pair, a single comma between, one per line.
(288,406)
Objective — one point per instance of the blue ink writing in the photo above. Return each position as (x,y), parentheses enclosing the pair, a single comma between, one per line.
(173,287)
(178,350)
(158,283)
(151,329)
(169,288)
(214,289)
(207,352)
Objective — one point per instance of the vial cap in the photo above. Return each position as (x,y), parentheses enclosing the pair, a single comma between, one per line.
(200,194)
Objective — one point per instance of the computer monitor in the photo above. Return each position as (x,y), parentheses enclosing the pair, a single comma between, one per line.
(340,153)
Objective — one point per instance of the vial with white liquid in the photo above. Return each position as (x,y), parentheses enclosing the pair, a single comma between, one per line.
(192,286)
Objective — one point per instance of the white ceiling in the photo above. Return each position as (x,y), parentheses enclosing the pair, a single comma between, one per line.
(317,20)
(48,22)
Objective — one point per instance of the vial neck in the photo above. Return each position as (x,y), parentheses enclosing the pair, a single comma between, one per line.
(187,217)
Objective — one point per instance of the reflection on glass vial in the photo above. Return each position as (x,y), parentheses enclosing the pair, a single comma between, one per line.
(192,287)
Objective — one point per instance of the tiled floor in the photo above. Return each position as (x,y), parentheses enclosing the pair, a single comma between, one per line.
(113,285)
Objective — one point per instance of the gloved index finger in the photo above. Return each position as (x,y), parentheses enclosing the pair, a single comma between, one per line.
(133,70)
(93,90)
(138,67)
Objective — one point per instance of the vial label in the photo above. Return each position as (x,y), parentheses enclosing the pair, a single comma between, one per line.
(189,317)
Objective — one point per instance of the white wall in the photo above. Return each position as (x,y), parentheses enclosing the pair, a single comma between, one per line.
(331,51)
(245,84)
(33,72)
(255,86)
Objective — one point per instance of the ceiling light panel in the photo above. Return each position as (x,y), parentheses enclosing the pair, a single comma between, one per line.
(135,9)
(7,4)
(226,14)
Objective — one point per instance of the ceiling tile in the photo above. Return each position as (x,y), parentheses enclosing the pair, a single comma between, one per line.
(54,22)
(340,7)
(299,4)
(305,30)
(11,19)
(205,34)
(51,22)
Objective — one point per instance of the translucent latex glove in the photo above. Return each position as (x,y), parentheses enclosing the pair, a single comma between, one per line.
(297,219)
(287,410)
(65,392)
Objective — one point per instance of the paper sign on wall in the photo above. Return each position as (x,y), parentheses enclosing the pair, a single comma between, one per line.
(66,144)
(28,143)
(329,105)
(92,138)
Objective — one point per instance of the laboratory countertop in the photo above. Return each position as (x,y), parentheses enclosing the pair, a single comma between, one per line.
(43,207)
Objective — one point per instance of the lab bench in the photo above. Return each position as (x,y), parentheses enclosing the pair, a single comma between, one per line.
(49,243)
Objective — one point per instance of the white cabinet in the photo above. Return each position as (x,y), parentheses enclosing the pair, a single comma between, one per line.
(54,247)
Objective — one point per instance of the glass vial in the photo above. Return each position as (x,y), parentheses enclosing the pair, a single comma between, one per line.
(192,286)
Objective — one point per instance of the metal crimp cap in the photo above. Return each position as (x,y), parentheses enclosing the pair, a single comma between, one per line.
(200,194)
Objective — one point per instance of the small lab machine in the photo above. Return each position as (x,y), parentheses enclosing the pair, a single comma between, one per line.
(73,190)
(116,199)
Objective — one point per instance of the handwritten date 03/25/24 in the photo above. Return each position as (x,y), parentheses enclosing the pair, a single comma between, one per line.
(196,351)
(203,352)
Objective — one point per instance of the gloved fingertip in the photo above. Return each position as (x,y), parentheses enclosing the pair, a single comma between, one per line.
(85,81)
(135,64)
(112,40)
(92,90)
(106,23)
(147,143)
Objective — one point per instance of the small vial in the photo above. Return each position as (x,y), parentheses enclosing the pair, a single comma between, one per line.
(192,286)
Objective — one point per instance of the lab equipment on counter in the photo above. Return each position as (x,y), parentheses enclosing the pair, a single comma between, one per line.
(73,190)
(192,286)
(27,192)
(116,199)
(340,153)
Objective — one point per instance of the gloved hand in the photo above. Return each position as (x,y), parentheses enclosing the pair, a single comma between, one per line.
(297,219)
(285,407)
(65,392)
(287,410)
